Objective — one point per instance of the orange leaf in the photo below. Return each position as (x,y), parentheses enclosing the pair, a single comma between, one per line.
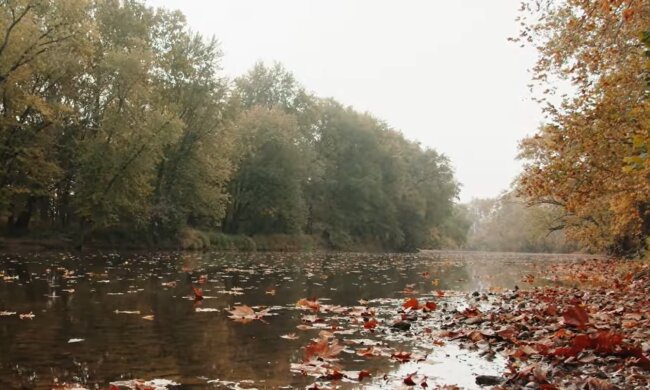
(370,324)
(411,303)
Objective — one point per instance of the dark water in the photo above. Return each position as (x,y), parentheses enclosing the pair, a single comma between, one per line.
(101,299)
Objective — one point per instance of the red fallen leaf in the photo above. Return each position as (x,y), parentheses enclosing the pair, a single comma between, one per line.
(560,333)
(542,349)
(581,342)
(605,342)
(565,352)
(323,349)
(363,374)
(598,384)
(334,375)
(401,356)
(429,306)
(450,334)
(471,312)
(551,310)
(370,351)
(246,314)
(411,303)
(576,316)
(440,293)
(370,324)
(629,324)
(309,304)
(506,334)
(475,336)
(409,380)
(198,293)
(637,353)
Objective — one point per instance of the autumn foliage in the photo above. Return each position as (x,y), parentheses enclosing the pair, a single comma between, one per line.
(591,156)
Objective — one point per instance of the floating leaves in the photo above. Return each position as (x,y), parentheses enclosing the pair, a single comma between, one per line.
(322,348)
(246,314)
(308,304)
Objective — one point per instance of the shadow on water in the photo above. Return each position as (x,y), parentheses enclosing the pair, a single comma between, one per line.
(88,324)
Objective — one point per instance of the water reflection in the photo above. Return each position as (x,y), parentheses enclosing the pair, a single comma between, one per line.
(102,299)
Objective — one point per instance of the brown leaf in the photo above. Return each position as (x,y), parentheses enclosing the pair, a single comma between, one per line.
(576,316)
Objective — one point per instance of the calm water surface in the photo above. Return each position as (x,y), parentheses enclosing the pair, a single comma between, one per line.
(88,326)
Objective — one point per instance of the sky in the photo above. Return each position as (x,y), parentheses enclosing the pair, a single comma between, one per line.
(442,72)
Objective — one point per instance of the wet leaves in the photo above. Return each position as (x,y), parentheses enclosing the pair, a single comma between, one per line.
(323,348)
(246,314)
(198,293)
(551,336)
(576,316)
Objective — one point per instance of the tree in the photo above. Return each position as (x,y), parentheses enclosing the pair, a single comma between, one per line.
(507,224)
(266,190)
(40,43)
(581,159)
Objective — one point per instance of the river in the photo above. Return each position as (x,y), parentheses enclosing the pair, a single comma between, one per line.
(101,318)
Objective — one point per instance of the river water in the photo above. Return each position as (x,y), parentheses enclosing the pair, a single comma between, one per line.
(101,318)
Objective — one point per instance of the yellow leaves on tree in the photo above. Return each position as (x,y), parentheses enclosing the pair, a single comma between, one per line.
(591,157)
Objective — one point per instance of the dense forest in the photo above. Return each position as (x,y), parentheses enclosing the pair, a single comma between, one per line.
(590,158)
(116,121)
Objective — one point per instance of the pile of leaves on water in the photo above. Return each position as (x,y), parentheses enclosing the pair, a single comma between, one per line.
(567,338)
(593,337)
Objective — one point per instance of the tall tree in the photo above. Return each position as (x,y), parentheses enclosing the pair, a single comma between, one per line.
(580,160)
(266,190)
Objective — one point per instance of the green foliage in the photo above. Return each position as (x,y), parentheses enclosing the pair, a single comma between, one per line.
(285,242)
(116,125)
(375,185)
(193,239)
(266,189)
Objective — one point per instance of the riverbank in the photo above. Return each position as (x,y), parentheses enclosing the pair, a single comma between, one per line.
(187,239)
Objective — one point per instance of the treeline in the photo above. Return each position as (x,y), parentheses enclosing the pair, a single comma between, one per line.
(591,157)
(508,224)
(115,117)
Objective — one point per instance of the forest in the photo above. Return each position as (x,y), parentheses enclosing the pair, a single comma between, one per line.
(268,219)
(116,122)
(118,125)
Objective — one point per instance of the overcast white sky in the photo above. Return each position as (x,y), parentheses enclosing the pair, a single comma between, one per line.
(440,71)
